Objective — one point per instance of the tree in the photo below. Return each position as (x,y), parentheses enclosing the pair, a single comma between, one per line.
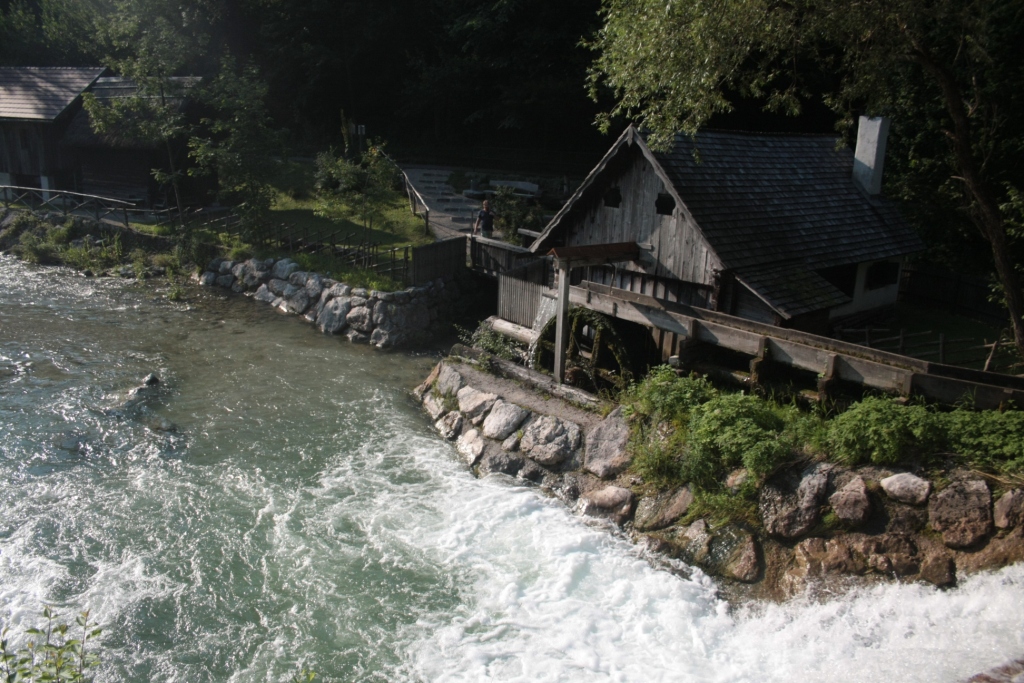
(236,143)
(364,188)
(943,69)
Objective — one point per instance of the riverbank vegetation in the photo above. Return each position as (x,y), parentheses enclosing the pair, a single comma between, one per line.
(684,430)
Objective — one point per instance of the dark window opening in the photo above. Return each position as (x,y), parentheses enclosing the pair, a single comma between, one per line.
(843,278)
(665,204)
(882,274)
(613,198)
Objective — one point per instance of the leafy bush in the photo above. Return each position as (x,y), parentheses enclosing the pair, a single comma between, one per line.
(35,249)
(988,440)
(663,396)
(491,341)
(656,457)
(731,431)
(513,213)
(883,432)
(50,653)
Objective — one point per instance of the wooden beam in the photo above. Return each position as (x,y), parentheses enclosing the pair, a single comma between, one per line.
(562,322)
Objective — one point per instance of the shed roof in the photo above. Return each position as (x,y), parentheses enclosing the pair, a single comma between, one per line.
(42,93)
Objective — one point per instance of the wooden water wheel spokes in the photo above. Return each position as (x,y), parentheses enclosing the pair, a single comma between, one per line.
(596,356)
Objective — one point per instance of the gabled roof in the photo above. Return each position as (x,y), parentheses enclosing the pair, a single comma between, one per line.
(39,93)
(773,207)
(762,199)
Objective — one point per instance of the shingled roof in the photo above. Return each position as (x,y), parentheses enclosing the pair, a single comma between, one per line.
(763,198)
(37,93)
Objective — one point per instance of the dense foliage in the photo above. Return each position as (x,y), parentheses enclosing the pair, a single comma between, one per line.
(51,652)
(685,430)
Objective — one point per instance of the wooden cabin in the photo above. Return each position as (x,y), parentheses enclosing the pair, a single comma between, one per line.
(37,105)
(782,229)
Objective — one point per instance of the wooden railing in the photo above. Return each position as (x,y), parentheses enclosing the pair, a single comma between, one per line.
(66,203)
(493,257)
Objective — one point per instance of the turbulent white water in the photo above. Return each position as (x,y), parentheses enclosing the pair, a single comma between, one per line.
(303,513)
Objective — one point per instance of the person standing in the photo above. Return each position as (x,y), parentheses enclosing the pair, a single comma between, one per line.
(484,220)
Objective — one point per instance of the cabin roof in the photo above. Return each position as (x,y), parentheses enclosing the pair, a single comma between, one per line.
(763,199)
(42,93)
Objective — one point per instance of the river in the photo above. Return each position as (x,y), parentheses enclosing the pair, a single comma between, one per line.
(303,513)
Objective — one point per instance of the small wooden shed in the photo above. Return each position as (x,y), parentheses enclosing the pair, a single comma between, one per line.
(37,104)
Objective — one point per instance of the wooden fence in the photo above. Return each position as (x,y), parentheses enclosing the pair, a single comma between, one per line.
(66,203)
(520,290)
(998,355)
(962,293)
(440,259)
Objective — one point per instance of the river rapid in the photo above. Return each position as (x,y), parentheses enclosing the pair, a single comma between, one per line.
(304,514)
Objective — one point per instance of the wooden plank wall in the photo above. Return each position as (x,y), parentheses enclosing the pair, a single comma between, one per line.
(520,290)
(494,257)
(440,259)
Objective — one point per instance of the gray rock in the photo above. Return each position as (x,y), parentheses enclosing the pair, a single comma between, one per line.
(434,406)
(333,318)
(663,510)
(511,443)
(361,292)
(851,503)
(314,286)
(283,269)
(213,265)
(475,404)
(907,488)
(449,381)
(471,446)
(1009,509)
(962,513)
(339,289)
(225,267)
(264,294)
(549,440)
(225,280)
(357,337)
(450,426)
(614,502)
(296,301)
(208,279)
(790,506)
(360,318)
(497,461)
(298,278)
(939,570)
(277,286)
(238,286)
(385,338)
(503,420)
(238,270)
(743,562)
(606,454)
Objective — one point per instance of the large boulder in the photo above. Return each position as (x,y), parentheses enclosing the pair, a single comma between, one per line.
(613,502)
(851,503)
(475,404)
(743,560)
(265,295)
(605,453)
(663,510)
(497,461)
(790,503)
(208,279)
(471,446)
(549,440)
(962,513)
(333,319)
(503,420)
(283,269)
(360,318)
(277,286)
(450,426)
(907,488)
(449,381)
(296,301)
(434,405)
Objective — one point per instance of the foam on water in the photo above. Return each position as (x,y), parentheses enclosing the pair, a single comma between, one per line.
(304,513)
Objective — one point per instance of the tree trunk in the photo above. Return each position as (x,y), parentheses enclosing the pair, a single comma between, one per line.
(987,217)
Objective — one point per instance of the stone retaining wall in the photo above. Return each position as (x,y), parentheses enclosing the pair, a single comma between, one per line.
(384,319)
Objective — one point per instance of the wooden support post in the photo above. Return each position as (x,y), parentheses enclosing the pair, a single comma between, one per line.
(827,379)
(991,355)
(903,341)
(561,321)
(426,221)
(942,347)
(758,362)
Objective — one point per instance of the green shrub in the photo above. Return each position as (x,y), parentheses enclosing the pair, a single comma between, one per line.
(34,249)
(883,432)
(657,458)
(487,338)
(987,439)
(664,396)
(731,431)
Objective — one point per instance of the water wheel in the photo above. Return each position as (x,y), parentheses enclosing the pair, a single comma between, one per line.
(597,357)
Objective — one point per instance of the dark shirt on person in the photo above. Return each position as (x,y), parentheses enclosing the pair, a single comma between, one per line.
(486,221)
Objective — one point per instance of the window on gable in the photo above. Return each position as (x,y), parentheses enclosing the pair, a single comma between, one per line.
(613,198)
(843,278)
(882,274)
(665,204)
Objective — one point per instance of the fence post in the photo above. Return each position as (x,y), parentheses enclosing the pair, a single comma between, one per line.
(942,347)
(125,210)
(426,221)
(902,340)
